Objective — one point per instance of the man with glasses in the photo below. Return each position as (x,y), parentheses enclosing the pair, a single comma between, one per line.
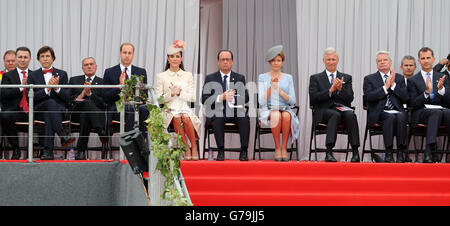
(224,95)
(88,106)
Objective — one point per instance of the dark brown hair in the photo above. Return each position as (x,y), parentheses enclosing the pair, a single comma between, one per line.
(45,49)
(425,49)
(168,64)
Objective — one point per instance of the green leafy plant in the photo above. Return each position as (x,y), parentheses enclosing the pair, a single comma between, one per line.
(168,153)
(128,92)
(166,148)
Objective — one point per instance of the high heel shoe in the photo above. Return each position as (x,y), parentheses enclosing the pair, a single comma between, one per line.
(187,156)
(284,158)
(278,159)
(195,157)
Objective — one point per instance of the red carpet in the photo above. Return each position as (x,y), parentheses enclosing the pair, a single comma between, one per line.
(269,183)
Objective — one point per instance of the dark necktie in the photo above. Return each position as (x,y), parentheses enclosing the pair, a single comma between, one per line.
(125,71)
(389,104)
(224,84)
(23,102)
(88,79)
(332,78)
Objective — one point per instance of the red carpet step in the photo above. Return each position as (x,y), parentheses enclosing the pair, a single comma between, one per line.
(269,183)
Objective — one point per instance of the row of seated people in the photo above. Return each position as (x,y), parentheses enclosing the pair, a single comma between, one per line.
(387,97)
(174,84)
(330,91)
(51,104)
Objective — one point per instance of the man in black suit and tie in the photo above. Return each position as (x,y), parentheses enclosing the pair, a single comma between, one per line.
(429,87)
(91,105)
(385,93)
(222,92)
(117,75)
(15,100)
(443,63)
(50,102)
(329,91)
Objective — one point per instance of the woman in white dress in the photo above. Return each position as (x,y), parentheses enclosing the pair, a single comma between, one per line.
(177,88)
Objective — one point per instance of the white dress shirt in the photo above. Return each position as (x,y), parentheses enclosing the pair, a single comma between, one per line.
(228,85)
(47,77)
(122,68)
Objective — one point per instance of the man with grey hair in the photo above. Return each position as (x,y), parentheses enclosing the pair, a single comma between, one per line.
(408,67)
(384,95)
(331,95)
(88,106)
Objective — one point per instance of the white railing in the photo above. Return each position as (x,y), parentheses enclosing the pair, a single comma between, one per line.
(155,184)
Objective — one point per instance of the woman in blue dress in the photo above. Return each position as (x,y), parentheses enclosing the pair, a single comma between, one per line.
(276,95)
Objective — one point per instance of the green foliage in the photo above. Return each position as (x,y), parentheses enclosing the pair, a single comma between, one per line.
(128,92)
(167,152)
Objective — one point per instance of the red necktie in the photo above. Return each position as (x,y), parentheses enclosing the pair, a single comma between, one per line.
(47,71)
(23,101)
(125,71)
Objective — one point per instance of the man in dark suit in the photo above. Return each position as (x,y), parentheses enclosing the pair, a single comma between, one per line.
(443,63)
(91,105)
(429,87)
(385,93)
(50,102)
(15,100)
(117,75)
(222,91)
(329,91)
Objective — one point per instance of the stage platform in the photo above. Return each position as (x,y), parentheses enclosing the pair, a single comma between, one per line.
(270,183)
(69,183)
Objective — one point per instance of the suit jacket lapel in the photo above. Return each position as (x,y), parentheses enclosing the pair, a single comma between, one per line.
(16,78)
(420,82)
(325,80)
(379,80)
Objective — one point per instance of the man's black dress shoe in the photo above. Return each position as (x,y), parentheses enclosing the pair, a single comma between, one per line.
(47,154)
(389,157)
(243,156)
(81,155)
(220,155)
(436,158)
(330,158)
(377,158)
(400,158)
(427,158)
(16,154)
(355,157)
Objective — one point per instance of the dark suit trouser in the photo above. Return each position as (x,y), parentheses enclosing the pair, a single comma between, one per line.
(53,114)
(91,117)
(394,125)
(244,130)
(432,118)
(333,117)
(129,116)
(446,120)
(9,128)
